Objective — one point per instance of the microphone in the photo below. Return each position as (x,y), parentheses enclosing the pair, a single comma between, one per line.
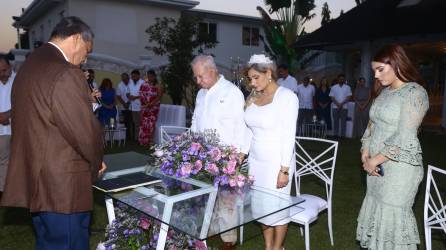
(98,100)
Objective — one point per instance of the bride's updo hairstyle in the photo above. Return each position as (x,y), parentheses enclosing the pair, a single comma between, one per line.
(262,64)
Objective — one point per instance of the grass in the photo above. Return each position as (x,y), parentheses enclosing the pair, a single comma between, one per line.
(16,232)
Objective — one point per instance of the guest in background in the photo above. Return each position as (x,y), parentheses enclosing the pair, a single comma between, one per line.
(150,95)
(285,79)
(390,143)
(361,97)
(271,116)
(121,96)
(90,78)
(323,102)
(340,95)
(7,76)
(305,93)
(135,102)
(57,142)
(107,110)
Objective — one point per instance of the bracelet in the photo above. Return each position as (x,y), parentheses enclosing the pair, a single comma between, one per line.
(285,172)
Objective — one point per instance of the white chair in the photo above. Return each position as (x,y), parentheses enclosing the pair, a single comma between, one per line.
(434,207)
(167,133)
(169,115)
(321,163)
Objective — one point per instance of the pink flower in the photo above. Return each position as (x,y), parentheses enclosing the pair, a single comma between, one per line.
(144,223)
(251,179)
(232,183)
(212,168)
(215,154)
(240,180)
(198,165)
(199,245)
(230,168)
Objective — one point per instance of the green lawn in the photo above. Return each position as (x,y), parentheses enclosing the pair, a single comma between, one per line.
(16,232)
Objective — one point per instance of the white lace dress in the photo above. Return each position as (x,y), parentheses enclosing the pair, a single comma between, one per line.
(270,140)
(386,220)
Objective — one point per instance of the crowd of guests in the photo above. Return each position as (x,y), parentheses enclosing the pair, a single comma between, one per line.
(136,99)
(327,103)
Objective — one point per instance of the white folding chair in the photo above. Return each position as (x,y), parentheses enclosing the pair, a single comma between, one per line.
(318,159)
(434,207)
(167,133)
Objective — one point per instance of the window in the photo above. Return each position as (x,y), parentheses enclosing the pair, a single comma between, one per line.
(250,36)
(207,30)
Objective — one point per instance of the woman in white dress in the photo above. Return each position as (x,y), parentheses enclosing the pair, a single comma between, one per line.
(270,115)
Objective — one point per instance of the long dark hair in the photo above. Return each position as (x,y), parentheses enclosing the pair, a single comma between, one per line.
(106,84)
(396,57)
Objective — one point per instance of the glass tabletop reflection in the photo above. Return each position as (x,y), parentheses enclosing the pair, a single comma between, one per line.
(202,210)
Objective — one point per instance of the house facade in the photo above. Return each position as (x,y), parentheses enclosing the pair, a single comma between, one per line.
(120,31)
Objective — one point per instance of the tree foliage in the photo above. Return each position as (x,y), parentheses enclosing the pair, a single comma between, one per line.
(178,39)
(325,14)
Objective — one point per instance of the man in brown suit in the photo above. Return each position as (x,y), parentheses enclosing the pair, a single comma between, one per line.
(56,145)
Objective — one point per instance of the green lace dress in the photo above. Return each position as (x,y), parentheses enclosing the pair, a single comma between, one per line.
(386,220)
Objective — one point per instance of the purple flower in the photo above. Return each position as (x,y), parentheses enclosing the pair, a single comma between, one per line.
(194,148)
(197,166)
(224,180)
(185,169)
(185,156)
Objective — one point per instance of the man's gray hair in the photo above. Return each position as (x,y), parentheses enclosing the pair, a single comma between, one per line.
(72,25)
(204,60)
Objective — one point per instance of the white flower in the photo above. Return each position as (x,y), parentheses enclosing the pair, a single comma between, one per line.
(260,59)
(100,246)
(158,153)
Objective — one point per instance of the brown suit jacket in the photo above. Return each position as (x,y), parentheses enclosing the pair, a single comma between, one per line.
(57,142)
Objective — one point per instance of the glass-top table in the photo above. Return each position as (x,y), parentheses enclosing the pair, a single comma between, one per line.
(200,209)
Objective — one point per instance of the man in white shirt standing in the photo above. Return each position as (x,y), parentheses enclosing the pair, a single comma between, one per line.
(286,80)
(135,103)
(7,76)
(121,95)
(219,105)
(340,94)
(305,94)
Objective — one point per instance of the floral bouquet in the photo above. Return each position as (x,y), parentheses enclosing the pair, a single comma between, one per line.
(200,155)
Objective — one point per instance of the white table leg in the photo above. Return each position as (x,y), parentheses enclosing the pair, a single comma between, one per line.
(110,210)
(164,227)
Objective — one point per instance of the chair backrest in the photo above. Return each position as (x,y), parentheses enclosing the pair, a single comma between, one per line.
(316,156)
(172,115)
(167,133)
(434,207)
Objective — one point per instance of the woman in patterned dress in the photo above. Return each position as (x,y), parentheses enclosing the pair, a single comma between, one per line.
(386,220)
(150,95)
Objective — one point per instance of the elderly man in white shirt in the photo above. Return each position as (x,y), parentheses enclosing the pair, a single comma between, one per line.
(7,76)
(340,94)
(135,104)
(305,94)
(219,106)
(286,80)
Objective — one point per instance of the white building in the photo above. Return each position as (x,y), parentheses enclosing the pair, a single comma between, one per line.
(120,30)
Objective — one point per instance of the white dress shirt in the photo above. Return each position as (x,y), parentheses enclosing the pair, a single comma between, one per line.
(5,101)
(340,93)
(122,91)
(221,108)
(133,89)
(289,82)
(305,95)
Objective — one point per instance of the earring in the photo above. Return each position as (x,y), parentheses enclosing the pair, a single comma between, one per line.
(270,80)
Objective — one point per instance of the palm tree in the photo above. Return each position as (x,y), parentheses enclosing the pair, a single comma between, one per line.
(291,15)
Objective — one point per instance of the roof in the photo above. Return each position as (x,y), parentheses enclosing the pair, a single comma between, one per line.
(381,19)
(37,8)
(224,16)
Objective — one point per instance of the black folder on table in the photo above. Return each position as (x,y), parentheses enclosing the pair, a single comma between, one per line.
(127,181)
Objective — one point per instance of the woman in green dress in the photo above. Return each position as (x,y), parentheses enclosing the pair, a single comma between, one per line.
(386,220)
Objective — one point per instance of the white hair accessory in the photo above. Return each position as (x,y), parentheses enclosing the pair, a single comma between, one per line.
(260,59)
